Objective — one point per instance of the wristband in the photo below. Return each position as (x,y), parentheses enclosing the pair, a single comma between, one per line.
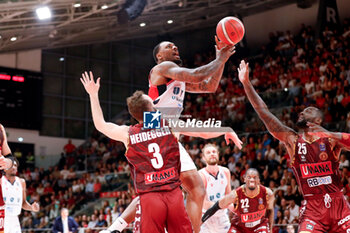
(211,211)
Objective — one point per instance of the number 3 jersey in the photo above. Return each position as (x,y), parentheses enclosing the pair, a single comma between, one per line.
(154,158)
(316,167)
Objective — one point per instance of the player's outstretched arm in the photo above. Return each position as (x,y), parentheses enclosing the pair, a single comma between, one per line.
(270,208)
(6,158)
(111,130)
(25,204)
(211,84)
(227,131)
(274,126)
(222,204)
(342,139)
(171,70)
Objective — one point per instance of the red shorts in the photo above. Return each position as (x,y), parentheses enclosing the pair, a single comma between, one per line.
(263,227)
(315,217)
(162,210)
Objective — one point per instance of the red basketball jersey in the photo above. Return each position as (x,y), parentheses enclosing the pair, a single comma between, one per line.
(154,158)
(251,211)
(316,167)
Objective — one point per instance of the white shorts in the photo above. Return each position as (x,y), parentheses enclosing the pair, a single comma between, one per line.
(218,223)
(12,224)
(186,161)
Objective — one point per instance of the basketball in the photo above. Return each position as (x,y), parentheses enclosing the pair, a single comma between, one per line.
(230,30)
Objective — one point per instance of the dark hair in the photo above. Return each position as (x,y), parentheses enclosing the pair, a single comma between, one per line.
(137,105)
(156,51)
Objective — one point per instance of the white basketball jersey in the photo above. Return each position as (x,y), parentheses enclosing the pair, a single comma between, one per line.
(170,101)
(13,196)
(216,186)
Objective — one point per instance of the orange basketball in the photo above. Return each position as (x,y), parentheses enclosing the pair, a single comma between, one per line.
(230,30)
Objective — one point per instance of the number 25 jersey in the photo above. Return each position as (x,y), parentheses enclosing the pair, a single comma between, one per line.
(154,158)
(316,166)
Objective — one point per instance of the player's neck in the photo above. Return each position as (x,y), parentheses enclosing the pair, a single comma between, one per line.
(251,193)
(309,137)
(212,169)
(11,179)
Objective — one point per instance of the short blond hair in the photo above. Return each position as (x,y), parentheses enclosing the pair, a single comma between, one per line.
(210,145)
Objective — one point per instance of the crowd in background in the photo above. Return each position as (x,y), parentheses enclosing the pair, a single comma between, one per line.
(291,72)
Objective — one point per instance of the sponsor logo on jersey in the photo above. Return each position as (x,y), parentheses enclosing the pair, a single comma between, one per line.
(323,156)
(160,177)
(261,206)
(151,120)
(218,195)
(317,181)
(261,201)
(322,146)
(211,198)
(251,217)
(316,169)
(245,210)
(303,159)
(341,222)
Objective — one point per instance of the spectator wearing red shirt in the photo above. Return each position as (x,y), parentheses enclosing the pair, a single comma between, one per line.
(69,147)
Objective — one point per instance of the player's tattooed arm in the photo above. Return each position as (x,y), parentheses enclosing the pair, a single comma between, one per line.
(171,70)
(341,139)
(211,84)
(270,207)
(272,123)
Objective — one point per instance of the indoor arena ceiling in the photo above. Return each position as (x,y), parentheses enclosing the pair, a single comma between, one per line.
(91,23)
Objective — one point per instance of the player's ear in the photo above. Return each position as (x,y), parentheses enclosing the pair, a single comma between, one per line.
(318,120)
(159,57)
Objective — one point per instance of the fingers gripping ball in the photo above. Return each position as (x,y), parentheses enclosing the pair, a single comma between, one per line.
(230,30)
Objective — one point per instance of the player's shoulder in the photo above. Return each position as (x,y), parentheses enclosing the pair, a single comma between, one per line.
(22,180)
(202,171)
(163,65)
(268,191)
(224,169)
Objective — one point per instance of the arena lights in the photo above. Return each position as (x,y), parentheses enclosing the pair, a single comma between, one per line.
(7,77)
(170,21)
(61,59)
(14,38)
(104,7)
(43,13)
(20,139)
(76,5)
(142,24)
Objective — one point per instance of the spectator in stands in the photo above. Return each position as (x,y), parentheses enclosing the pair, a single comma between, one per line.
(69,147)
(64,223)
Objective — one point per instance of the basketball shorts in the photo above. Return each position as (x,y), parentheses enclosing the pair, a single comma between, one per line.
(325,213)
(218,223)
(263,227)
(158,211)
(186,161)
(12,224)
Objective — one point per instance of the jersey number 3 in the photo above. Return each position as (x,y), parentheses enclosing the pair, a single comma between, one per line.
(157,161)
